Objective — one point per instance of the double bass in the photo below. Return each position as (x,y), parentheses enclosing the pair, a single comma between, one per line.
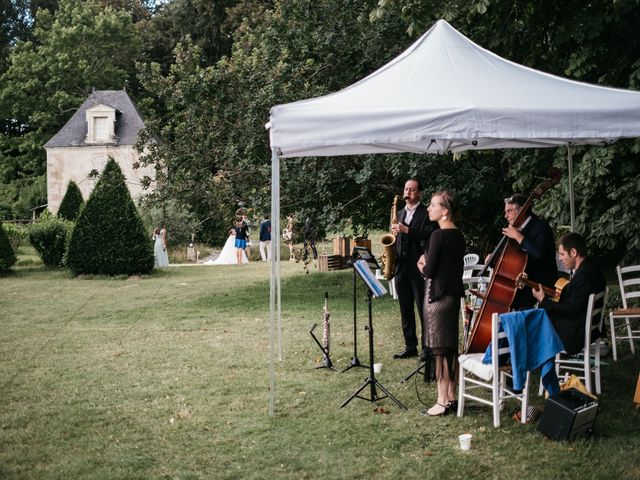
(506,273)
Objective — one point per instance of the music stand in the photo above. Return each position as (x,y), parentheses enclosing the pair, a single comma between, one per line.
(374,288)
(359,253)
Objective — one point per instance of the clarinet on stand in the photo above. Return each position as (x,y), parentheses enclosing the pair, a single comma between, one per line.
(326,335)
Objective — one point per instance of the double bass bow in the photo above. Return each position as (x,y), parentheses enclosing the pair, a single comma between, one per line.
(510,264)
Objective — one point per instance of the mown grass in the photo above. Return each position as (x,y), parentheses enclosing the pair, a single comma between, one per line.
(167,376)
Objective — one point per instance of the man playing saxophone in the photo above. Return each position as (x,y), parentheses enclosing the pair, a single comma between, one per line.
(413,231)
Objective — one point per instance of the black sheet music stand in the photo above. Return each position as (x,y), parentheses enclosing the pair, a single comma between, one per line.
(357,254)
(368,278)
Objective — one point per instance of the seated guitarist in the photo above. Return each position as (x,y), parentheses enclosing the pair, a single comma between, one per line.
(568,314)
(535,237)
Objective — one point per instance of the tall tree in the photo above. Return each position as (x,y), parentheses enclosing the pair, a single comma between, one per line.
(79,46)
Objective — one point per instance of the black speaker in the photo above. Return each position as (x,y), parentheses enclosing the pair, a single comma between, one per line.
(568,415)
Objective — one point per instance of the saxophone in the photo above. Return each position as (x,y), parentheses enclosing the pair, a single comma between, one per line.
(388,242)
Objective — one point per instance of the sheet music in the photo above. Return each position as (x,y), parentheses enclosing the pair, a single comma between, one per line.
(377,289)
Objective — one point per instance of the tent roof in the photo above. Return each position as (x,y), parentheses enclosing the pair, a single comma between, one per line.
(445,93)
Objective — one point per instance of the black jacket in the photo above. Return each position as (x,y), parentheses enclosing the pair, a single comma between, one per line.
(569,314)
(409,246)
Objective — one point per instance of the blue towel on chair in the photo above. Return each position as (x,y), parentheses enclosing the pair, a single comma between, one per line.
(533,343)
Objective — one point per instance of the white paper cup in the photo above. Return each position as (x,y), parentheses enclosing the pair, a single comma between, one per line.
(465,441)
(377,367)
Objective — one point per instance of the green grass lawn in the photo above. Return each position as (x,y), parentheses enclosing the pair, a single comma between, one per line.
(167,376)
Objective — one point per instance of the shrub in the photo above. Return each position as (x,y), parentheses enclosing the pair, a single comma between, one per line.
(49,236)
(7,255)
(16,233)
(109,237)
(71,203)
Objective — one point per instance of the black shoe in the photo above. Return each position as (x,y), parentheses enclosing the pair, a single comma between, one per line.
(407,353)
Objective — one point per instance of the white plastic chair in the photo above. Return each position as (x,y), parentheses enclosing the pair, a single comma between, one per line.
(475,375)
(629,280)
(392,287)
(469,260)
(587,362)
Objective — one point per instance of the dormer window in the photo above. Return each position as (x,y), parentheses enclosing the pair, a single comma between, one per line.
(101,121)
(100,129)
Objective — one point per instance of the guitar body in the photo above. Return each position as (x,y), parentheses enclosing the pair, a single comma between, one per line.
(499,295)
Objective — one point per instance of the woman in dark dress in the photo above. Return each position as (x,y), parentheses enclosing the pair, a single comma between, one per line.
(442,267)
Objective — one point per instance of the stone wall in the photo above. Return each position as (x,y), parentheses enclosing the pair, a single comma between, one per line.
(75,163)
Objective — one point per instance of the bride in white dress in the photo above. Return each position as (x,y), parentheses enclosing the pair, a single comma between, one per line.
(228,255)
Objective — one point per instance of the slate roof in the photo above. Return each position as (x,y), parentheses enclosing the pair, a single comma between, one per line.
(128,124)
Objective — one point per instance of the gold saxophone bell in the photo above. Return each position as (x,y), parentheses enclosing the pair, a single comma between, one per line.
(388,242)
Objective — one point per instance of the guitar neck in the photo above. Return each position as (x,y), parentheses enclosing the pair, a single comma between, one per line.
(549,292)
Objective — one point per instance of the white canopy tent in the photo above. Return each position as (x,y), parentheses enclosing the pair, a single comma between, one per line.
(443,94)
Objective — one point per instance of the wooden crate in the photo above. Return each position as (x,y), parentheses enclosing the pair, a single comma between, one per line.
(362,242)
(342,246)
(329,262)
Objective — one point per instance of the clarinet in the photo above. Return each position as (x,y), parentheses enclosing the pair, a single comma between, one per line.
(326,333)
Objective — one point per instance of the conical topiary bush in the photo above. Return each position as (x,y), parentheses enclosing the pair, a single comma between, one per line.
(7,255)
(71,202)
(109,237)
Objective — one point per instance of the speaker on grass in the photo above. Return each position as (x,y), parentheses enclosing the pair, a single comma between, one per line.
(568,415)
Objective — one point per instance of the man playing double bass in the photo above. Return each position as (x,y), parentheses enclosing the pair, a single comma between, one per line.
(535,238)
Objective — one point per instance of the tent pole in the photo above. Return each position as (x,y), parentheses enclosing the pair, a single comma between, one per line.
(572,209)
(275,273)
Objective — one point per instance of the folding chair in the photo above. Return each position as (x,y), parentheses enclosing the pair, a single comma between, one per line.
(587,362)
(629,280)
(475,375)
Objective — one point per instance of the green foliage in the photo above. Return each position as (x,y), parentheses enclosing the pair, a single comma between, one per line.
(7,254)
(109,237)
(49,235)
(179,223)
(71,202)
(79,46)
(16,233)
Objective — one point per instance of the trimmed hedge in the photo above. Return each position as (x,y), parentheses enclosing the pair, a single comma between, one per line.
(109,237)
(50,236)
(16,233)
(7,255)
(71,203)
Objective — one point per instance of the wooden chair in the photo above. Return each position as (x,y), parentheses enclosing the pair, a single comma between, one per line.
(475,375)
(629,281)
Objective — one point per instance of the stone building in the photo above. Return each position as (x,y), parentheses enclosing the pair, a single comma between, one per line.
(106,125)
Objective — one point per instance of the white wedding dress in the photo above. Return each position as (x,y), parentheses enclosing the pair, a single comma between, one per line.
(228,254)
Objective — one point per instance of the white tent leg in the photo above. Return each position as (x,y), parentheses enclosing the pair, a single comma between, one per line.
(274,289)
(572,208)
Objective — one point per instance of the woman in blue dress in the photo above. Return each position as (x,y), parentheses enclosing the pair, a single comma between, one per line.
(241,240)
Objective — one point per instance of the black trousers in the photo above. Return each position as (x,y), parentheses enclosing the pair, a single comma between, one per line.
(409,286)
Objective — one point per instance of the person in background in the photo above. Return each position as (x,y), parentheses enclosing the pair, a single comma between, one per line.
(241,240)
(265,240)
(160,255)
(442,266)
(412,237)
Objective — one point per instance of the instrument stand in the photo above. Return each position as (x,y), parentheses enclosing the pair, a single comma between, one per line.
(371,380)
(326,363)
(420,369)
(355,362)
